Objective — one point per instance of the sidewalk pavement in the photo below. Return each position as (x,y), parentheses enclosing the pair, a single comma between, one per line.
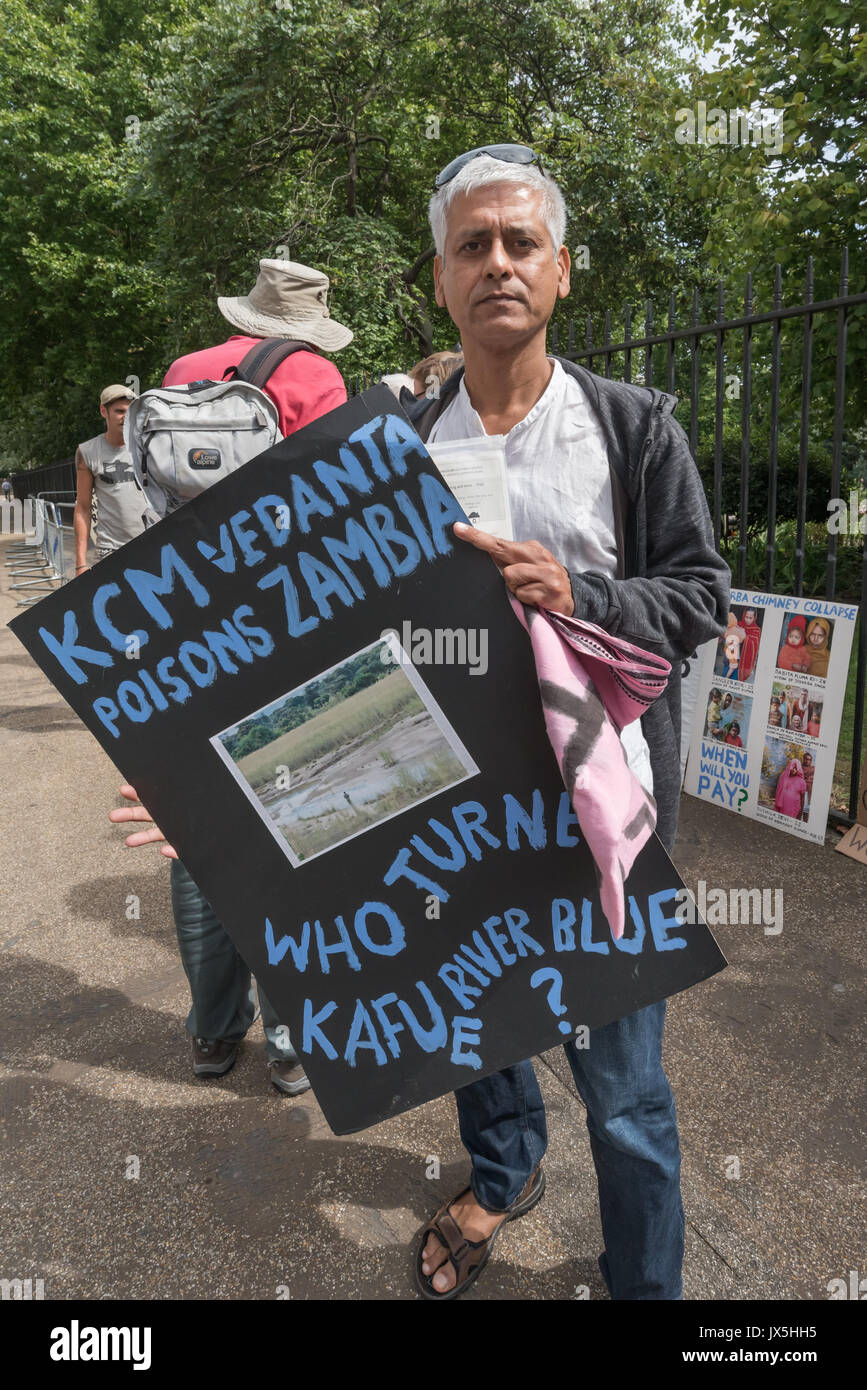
(243,1193)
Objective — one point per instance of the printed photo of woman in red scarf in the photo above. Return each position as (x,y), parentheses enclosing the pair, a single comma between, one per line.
(793,654)
(751,623)
(786,783)
(791,790)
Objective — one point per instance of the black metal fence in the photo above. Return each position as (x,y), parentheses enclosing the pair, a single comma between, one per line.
(694,361)
(51,477)
(713,341)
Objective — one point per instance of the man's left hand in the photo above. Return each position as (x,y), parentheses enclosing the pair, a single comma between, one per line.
(531,572)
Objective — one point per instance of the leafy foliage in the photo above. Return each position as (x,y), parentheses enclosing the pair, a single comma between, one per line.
(153,153)
(346,679)
(809,61)
(850,551)
(788,461)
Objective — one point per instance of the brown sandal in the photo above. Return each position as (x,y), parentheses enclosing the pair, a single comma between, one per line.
(469,1257)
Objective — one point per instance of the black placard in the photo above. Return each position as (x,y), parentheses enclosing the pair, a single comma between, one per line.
(397,859)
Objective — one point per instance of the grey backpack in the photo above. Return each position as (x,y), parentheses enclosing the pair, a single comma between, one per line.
(183,439)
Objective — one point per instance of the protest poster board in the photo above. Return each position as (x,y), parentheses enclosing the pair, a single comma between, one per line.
(854,842)
(388,842)
(690,682)
(769,709)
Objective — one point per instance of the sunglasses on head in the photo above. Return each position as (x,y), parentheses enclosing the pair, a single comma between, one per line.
(509,154)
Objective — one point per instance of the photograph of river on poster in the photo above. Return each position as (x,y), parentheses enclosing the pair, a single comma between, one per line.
(353,747)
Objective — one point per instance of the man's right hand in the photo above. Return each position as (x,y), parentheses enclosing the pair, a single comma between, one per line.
(138,813)
(532,573)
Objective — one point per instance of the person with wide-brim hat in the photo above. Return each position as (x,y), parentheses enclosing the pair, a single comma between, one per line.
(288,300)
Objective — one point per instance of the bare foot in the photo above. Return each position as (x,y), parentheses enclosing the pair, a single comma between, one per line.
(475,1223)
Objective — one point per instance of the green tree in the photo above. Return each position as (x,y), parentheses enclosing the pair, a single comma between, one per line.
(78,282)
(315,131)
(809,62)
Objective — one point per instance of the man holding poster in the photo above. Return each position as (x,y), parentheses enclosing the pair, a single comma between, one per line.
(332,906)
(612,526)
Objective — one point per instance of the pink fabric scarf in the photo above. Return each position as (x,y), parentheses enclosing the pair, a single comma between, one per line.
(592,685)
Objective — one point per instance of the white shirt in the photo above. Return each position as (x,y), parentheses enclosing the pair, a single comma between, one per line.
(559,492)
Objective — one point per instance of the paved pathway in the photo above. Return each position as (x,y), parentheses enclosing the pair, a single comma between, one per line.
(242,1193)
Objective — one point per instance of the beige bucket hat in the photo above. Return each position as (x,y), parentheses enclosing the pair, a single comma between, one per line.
(288,300)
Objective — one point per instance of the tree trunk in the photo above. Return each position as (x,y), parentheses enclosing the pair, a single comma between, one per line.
(353,177)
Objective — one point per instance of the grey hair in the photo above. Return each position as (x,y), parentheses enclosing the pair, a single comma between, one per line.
(484,170)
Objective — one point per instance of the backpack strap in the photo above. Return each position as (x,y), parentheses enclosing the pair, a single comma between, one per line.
(145,445)
(261,362)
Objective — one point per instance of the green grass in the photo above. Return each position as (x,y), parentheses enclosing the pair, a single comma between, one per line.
(375,708)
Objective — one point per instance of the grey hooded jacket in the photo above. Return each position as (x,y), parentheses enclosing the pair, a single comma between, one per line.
(672,589)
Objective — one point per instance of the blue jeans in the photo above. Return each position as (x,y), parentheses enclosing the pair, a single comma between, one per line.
(220,981)
(633,1139)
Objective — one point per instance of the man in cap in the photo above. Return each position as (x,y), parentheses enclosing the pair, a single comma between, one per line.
(289,301)
(103,467)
